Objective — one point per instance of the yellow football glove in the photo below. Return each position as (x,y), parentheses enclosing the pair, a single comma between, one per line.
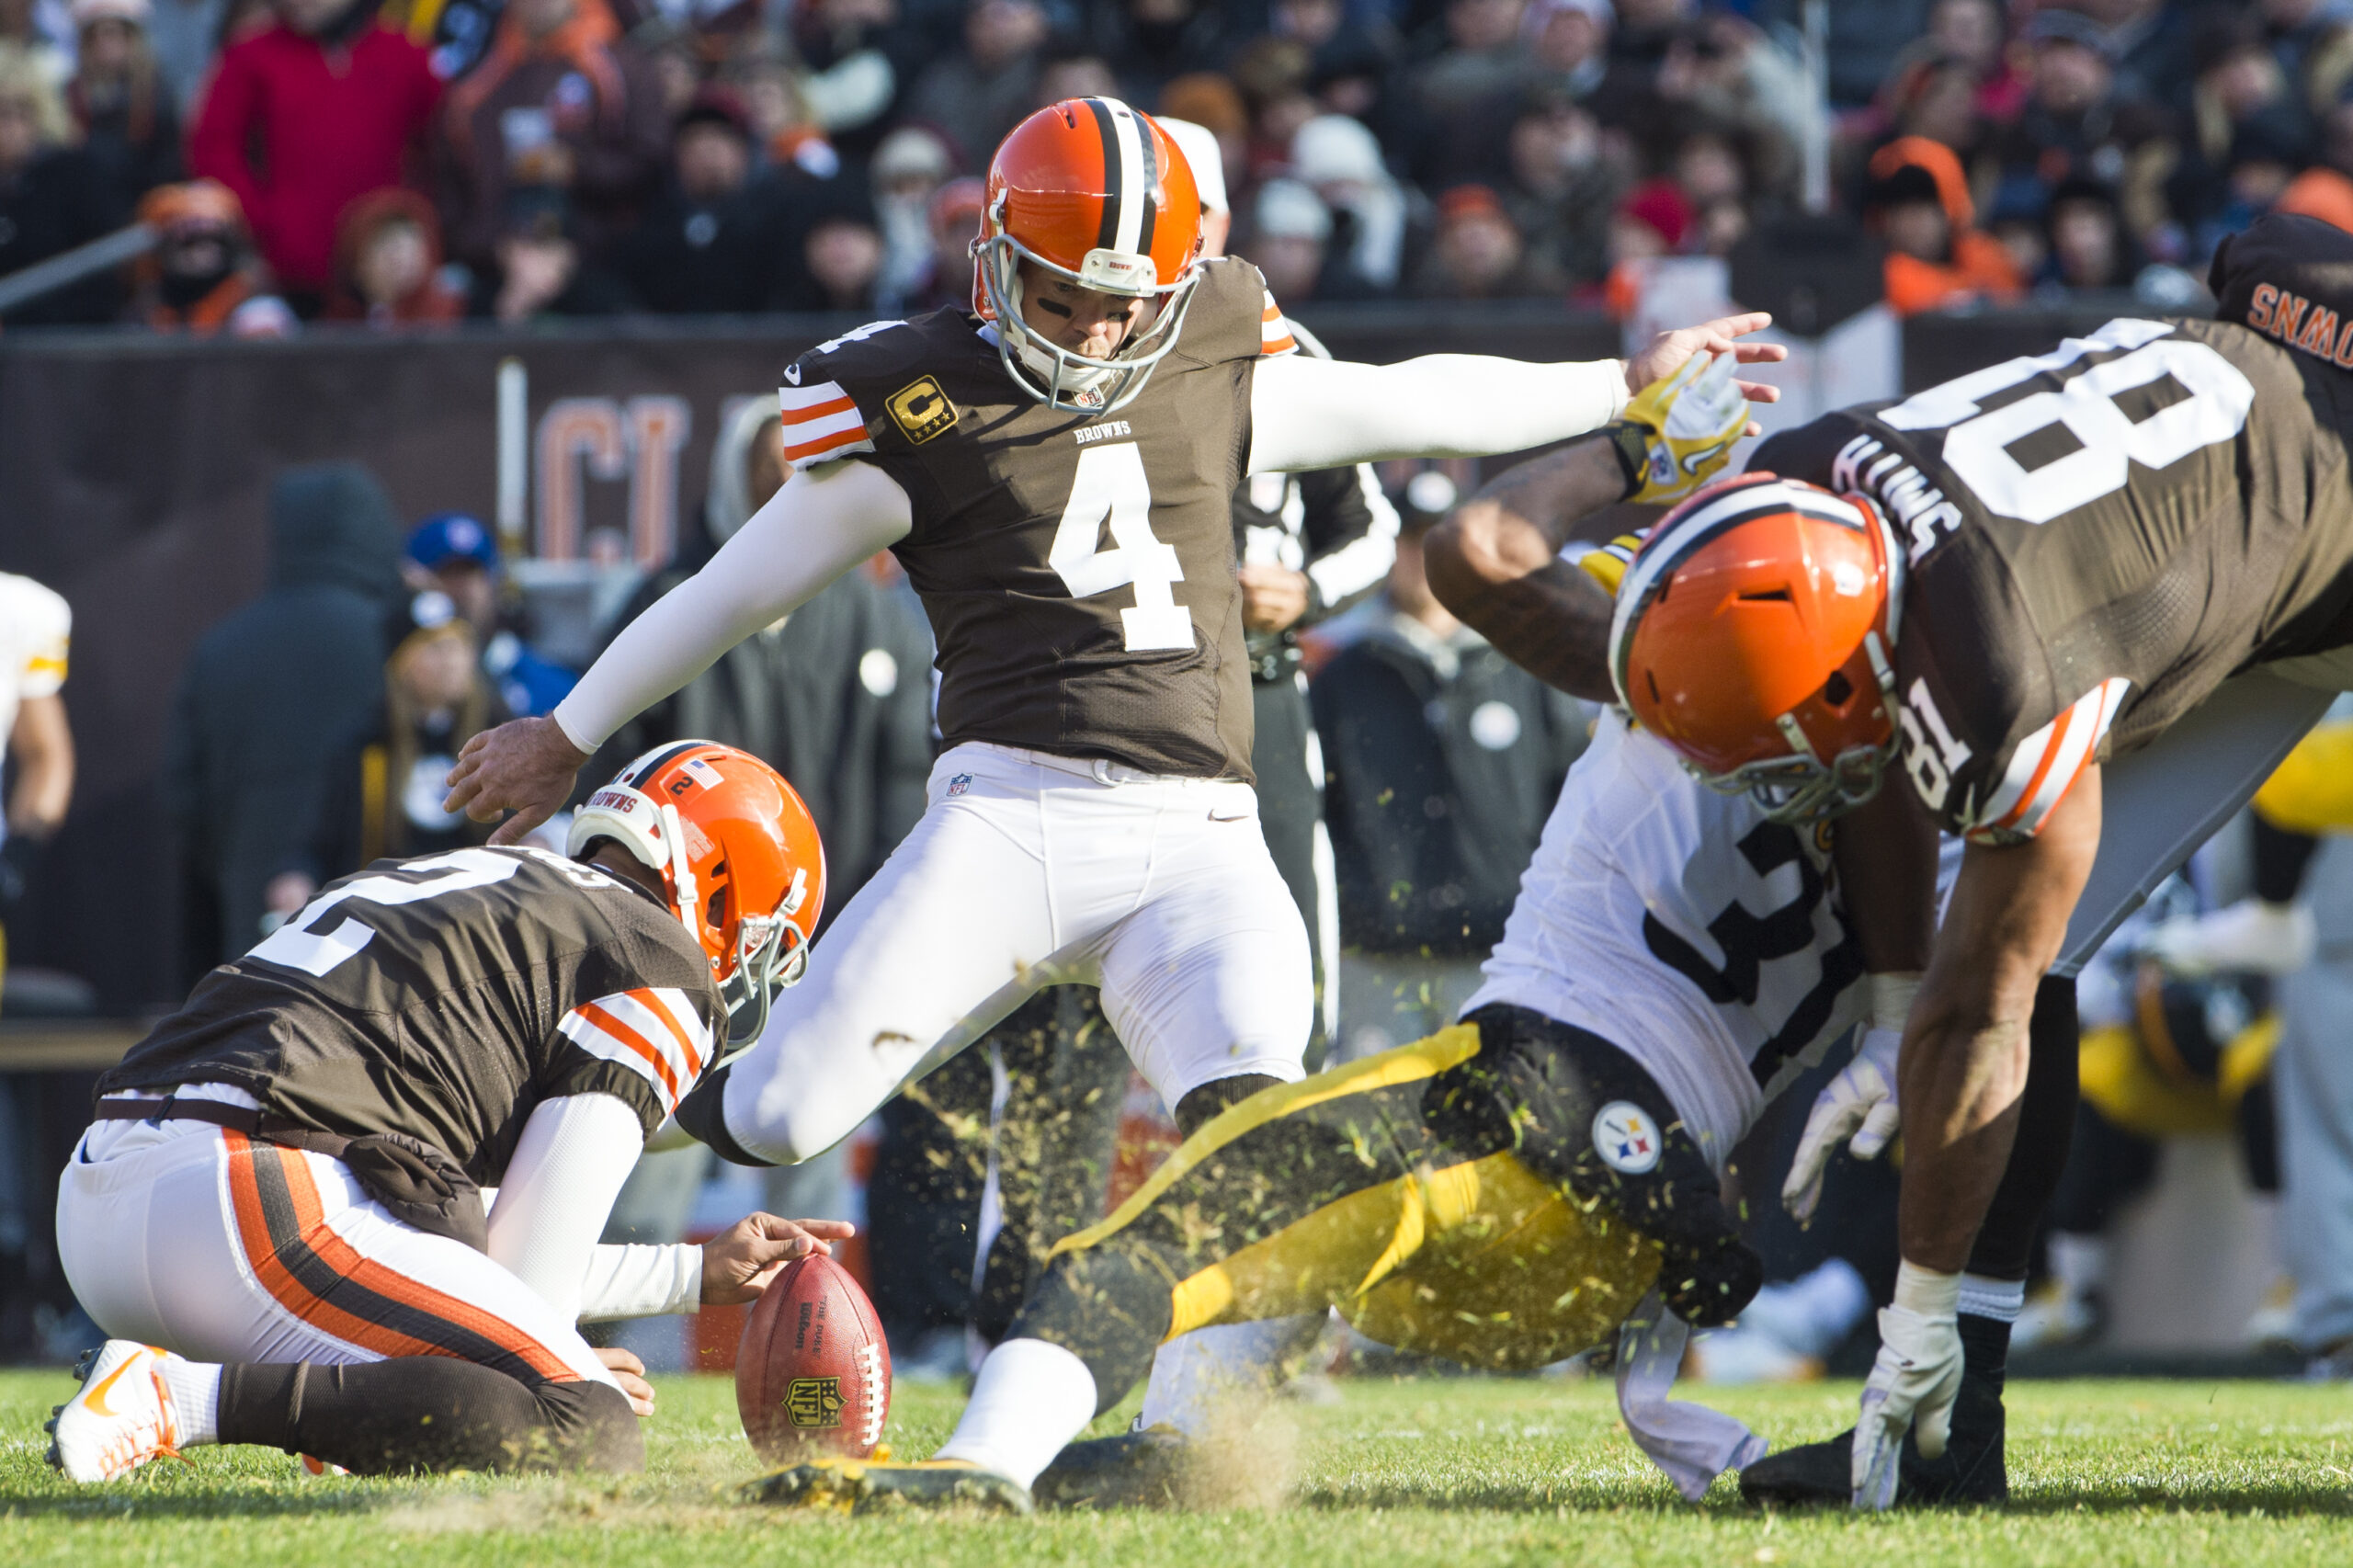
(1679,431)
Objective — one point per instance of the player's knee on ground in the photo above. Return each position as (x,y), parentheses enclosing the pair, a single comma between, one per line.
(429,1415)
(1579,1111)
(1109,1306)
(1201,1106)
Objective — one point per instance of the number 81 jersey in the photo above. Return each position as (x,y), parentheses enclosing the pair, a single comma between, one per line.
(2097,537)
(1078,570)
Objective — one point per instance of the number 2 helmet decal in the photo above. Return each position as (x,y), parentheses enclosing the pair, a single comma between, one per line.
(737,852)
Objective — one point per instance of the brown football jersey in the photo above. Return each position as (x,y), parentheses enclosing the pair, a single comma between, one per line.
(1078,569)
(2098,536)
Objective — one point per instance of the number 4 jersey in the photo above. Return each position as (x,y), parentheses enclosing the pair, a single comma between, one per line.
(1078,570)
(444,997)
(1704,941)
(2097,538)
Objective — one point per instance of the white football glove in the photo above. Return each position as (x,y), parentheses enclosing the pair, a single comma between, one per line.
(1915,1379)
(1858,1107)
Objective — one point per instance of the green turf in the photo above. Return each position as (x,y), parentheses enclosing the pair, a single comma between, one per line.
(1439,1470)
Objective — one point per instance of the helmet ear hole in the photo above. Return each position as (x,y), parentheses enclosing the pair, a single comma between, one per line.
(1837,690)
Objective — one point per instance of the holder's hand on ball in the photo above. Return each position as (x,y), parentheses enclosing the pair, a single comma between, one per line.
(738,1263)
(630,1372)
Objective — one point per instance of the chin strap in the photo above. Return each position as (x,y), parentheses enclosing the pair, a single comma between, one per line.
(686,897)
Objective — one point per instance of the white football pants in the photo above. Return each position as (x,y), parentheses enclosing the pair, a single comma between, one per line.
(224,1248)
(1027,871)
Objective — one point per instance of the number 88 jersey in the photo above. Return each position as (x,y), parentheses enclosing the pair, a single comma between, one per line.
(1078,570)
(2097,537)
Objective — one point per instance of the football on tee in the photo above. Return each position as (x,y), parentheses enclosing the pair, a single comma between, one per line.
(812,1375)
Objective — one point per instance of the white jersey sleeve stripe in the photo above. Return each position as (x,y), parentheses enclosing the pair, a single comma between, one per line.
(2047,763)
(794,402)
(659,1038)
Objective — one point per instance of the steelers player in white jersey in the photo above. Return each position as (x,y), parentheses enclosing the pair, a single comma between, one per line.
(1505,1193)
(1054,469)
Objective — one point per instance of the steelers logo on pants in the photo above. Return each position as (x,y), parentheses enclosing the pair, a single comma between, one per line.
(1626,1137)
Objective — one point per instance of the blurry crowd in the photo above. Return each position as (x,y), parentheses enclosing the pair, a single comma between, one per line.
(410,162)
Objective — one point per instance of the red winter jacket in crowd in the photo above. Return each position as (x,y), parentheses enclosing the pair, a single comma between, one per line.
(299,127)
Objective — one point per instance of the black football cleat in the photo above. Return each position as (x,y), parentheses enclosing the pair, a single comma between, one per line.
(1134,1470)
(1821,1474)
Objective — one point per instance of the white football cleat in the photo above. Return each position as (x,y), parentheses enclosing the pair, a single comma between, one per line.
(122,1417)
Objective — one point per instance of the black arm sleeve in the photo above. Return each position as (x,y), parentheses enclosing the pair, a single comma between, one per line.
(1350,532)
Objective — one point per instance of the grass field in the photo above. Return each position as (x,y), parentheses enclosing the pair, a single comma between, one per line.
(1434,1470)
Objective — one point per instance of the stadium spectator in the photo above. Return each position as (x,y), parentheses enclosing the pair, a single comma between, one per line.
(947,277)
(1476,252)
(187,35)
(322,107)
(1562,189)
(1150,43)
(562,102)
(388,269)
(1210,101)
(127,124)
(1724,71)
(1289,231)
(204,278)
(2073,122)
(51,197)
(1443,759)
(253,727)
(784,127)
(908,169)
(1919,207)
(707,243)
(1340,158)
(975,95)
(1654,220)
(459,557)
(382,785)
(855,57)
(843,255)
(1074,73)
(33,31)
(538,270)
(1975,34)
(1483,60)
(2089,248)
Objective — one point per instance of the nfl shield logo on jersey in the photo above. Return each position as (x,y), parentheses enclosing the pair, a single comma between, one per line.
(1626,1137)
(958,784)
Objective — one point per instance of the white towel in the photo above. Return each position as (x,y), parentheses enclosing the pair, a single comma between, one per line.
(1691,1443)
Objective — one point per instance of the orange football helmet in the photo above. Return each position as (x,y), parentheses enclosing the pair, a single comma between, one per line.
(1096,192)
(737,852)
(1753,634)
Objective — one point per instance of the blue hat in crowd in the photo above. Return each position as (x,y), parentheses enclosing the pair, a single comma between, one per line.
(449,536)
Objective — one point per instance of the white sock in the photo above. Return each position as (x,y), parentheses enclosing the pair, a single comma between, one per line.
(1029,1400)
(196,1396)
(2001,1299)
